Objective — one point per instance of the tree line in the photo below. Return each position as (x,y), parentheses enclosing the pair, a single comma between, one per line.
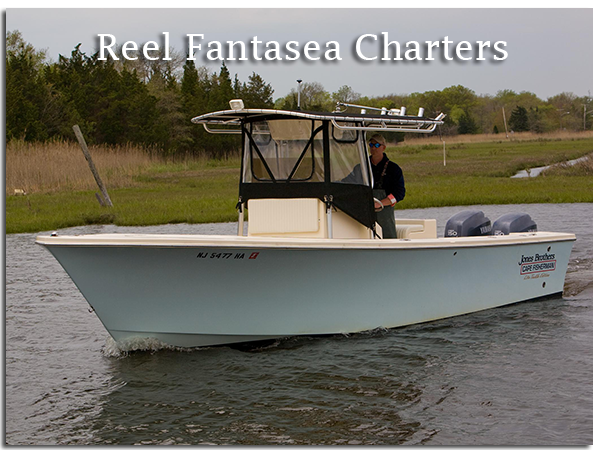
(466,112)
(151,102)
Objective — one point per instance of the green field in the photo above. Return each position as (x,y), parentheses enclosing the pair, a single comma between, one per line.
(479,173)
(204,192)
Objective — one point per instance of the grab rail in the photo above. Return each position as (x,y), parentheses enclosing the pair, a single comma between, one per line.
(221,130)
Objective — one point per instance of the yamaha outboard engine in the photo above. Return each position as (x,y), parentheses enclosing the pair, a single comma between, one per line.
(468,223)
(513,223)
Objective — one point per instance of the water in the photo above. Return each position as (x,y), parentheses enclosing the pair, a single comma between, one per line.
(521,374)
(537,170)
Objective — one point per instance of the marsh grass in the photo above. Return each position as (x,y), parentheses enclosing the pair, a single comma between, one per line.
(582,168)
(490,159)
(60,165)
(414,139)
(146,189)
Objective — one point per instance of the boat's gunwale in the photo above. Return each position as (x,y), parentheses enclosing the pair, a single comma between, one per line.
(230,241)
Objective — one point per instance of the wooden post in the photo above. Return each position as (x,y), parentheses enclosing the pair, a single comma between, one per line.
(444,153)
(88,157)
(505,127)
(99,198)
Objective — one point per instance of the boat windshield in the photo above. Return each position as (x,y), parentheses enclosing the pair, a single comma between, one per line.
(293,150)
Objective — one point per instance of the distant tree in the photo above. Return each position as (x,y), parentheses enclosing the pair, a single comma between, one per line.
(588,102)
(563,101)
(345,94)
(485,113)
(140,113)
(540,118)
(109,105)
(386,103)
(459,95)
(80,86)
(495,131)
(175,133)
(37,108)
(313,97)
(221,90)
(190,86)
(15,44)
(256,93)
(466,124)
(237,87)
(519,120)
(146,68)
(569,110)
(193,102)
(510,99)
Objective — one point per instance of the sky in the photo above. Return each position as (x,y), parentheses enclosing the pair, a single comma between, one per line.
(549,50)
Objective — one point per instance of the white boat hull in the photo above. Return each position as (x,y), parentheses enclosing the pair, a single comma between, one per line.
(208,290)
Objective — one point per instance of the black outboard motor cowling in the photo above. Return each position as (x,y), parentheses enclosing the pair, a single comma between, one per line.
(468,223)
(513,223)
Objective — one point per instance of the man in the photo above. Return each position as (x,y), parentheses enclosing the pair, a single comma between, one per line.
(388,185)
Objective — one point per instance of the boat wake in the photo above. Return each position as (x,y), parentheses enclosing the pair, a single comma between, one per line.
(579,289)
(114,349)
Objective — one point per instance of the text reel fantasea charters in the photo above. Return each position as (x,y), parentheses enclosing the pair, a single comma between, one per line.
(367,47)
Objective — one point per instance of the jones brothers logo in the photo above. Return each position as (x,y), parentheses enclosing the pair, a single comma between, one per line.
(537,263)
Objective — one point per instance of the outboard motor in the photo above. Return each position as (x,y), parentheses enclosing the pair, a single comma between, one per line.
(468,223)
(513,223)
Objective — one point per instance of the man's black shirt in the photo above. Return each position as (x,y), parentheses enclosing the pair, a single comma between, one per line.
(393,181)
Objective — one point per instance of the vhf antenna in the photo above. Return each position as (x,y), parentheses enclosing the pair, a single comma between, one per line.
(299,84)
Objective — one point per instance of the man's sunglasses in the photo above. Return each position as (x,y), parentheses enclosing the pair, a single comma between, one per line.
(376,145)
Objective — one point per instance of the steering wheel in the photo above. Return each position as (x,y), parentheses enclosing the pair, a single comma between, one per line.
(378,204)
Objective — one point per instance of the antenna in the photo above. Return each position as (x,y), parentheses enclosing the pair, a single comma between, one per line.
(299,84)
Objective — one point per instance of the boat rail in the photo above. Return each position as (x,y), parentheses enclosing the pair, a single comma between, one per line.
(391,121)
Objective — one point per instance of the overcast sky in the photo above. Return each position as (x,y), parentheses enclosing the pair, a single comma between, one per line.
(549,50)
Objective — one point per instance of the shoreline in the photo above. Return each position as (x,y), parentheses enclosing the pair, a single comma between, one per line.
(233,219)
(147,190)
(410,213)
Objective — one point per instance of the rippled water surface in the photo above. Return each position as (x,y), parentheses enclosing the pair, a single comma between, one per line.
(521,374)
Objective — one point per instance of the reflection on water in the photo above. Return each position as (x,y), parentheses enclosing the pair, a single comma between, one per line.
(521,374)
(280,394)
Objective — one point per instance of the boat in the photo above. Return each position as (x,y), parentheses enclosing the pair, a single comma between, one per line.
(309,259)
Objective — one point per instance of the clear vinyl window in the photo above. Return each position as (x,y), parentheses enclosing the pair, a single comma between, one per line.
(292,150)
(282,150)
